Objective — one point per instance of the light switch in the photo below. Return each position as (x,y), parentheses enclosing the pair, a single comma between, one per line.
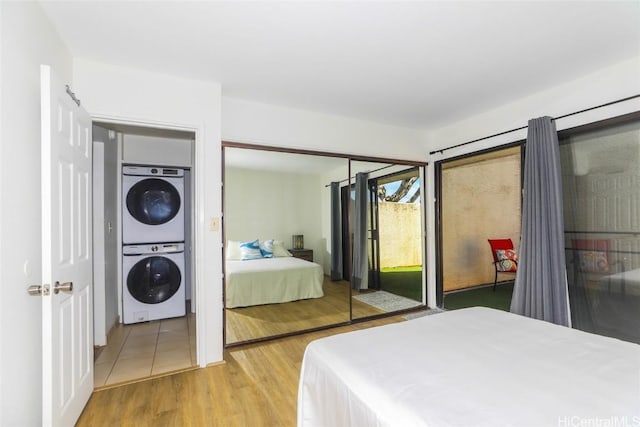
(215,224)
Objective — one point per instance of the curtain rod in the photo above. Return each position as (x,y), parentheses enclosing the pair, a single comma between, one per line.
(347,179)
(524,127)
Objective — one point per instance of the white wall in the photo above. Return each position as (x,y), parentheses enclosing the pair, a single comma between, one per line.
(26,41)
(155,150)
(252,122)
(273,205)
(118,94)
(99,293)
(112,227)
(105,234)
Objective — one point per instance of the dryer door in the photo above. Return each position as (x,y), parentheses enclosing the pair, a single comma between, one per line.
(154,280)
(153,201)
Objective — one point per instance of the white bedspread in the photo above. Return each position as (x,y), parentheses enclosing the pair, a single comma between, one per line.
(272,280)
(471,367)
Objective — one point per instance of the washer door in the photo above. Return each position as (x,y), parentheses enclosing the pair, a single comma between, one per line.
(154,280)
(153,201)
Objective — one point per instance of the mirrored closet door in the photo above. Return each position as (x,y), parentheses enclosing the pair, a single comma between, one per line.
(315,240)
(277,222)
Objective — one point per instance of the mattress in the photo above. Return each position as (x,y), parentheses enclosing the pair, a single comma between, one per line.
(471,367)
(272,280)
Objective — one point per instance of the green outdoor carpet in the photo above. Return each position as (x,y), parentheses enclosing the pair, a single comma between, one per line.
(403,281)
(485,297)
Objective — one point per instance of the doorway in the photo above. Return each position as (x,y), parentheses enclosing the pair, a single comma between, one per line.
(479,199)
(162,338)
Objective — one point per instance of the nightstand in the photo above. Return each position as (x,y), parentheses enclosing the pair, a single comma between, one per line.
(305,254)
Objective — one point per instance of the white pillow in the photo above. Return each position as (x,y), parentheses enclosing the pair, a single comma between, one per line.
(233,250)
(279,250)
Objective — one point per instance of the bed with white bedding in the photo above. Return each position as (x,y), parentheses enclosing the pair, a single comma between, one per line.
(271,280)
(470,367)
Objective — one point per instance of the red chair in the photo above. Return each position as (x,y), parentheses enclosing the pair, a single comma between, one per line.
(505,258)
(592,255)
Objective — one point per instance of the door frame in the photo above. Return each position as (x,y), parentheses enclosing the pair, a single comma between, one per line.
(198,223)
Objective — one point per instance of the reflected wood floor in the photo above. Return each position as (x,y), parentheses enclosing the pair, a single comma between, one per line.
(257,386)
(261,321)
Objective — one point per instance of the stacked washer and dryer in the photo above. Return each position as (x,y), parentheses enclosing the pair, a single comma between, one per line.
(153,236)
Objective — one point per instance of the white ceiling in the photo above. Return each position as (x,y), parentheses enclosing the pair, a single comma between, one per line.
(415,64)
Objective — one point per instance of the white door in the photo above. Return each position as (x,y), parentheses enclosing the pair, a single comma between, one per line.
(67,332)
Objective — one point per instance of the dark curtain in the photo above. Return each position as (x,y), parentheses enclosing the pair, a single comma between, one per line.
(540,289)
(336,243)
(360,269)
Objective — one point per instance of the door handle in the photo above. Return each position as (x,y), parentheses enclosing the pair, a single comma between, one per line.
(37,290)
(64,287)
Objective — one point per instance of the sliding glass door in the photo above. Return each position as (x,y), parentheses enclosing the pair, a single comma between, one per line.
(388,241)
(601,178)
(479,198)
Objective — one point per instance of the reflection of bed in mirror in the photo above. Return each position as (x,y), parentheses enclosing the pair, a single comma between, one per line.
(475,366)
(272,280)
(627,282)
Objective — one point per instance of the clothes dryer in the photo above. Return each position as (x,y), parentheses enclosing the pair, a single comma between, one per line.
(152,204)
(153,282)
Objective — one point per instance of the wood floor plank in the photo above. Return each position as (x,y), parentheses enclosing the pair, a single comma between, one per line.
(260,321)
(257,386)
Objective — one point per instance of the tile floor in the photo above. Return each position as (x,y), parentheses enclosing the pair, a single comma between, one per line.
(146,349)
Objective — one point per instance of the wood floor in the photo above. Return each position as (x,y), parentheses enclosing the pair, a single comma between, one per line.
(261,321)
(257,386)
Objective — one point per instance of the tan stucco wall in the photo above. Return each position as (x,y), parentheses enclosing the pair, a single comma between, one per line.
(400,244)
(480,200)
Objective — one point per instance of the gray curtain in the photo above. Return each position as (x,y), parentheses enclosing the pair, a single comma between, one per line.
(359,269)
(540,289)
(336,241)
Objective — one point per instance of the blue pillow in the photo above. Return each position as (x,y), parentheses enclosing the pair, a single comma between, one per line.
(266,248)
(250,250)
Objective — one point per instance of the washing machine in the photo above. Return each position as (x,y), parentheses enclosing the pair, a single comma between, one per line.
(152,204)
(153,282)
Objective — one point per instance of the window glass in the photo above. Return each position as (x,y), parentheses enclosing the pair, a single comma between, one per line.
(601,185)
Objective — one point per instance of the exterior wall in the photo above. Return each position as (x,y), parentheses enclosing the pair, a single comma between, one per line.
(479,201)
(400,244)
